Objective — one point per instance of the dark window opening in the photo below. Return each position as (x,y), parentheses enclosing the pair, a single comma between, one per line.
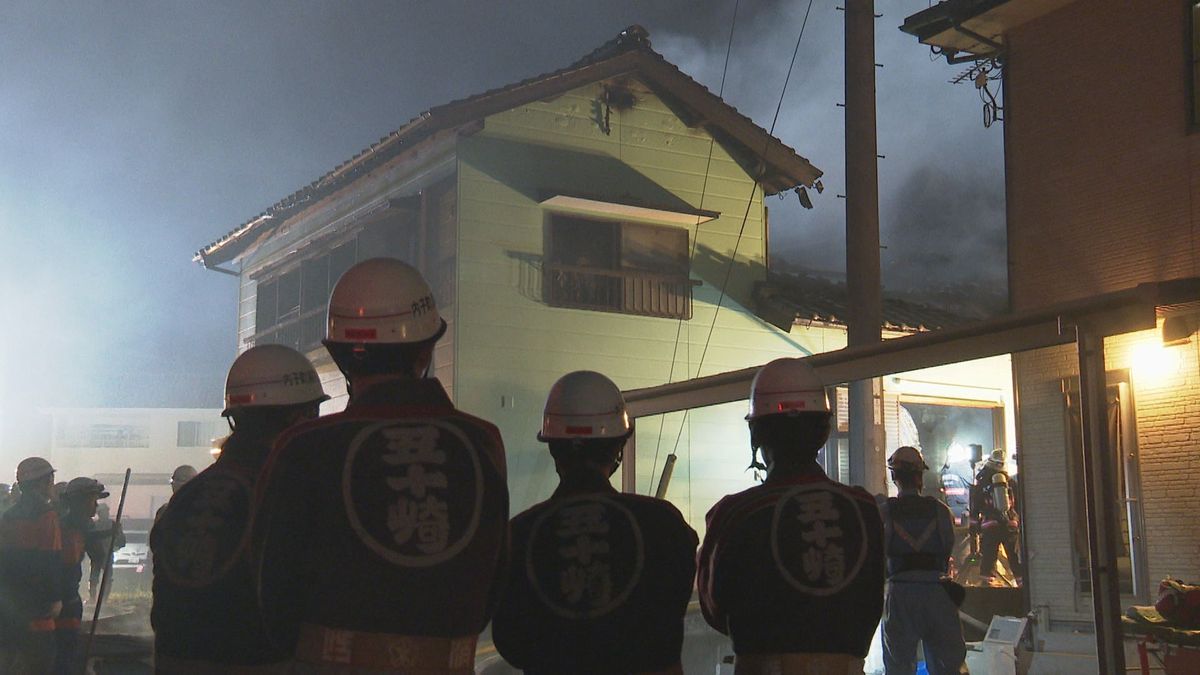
(630,268)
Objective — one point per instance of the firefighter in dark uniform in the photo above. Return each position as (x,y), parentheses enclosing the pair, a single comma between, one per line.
(31,571)
(600,580)
(994,517)
(382,529)
(79,537)
(793,569)
(205,613)
(919,539)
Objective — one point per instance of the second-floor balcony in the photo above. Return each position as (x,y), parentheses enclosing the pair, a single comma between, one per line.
(624,290)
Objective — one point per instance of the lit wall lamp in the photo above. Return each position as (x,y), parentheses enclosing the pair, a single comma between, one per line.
(1178,330)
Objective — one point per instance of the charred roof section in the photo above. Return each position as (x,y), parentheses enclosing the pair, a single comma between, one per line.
(786,300)
(776,166)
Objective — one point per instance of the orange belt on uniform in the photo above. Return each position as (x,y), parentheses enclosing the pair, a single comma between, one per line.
(42,625)
(816,663)
(170,664)
(413,654)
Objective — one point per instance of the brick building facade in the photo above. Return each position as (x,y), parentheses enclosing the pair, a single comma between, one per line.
(1102,162)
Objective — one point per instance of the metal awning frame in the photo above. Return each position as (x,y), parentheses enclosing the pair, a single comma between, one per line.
(1108,314)
(1083,322)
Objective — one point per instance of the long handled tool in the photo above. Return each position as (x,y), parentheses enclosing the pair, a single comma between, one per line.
(112,540)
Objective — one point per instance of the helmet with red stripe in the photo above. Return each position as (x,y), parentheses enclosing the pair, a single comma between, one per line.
(583,405)
(271,375)
(787,387)
(383,301)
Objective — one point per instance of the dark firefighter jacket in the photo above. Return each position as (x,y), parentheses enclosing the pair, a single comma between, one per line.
(599,583)
(79,537)
(31,567)
(795,565)
(205,598)
(983,501)
(390,518)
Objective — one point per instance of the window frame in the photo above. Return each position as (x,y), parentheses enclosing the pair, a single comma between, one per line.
(629,299)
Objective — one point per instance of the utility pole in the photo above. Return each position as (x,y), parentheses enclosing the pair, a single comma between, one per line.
(862,235)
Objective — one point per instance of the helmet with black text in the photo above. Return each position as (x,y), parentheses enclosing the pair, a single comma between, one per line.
(383,301)
(789,409)
(382,320)
(271,375)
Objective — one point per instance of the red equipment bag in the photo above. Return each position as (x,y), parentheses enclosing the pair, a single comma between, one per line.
(1179,603)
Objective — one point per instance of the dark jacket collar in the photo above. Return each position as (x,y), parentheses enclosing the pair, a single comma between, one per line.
(598,485)
(424,392)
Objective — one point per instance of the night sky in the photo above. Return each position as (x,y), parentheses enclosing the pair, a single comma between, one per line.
(134,133)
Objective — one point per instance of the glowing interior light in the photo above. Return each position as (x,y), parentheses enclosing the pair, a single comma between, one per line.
(957,452)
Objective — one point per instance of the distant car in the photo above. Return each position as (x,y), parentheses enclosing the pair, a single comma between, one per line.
(131,555)
(956,493)
(135,553)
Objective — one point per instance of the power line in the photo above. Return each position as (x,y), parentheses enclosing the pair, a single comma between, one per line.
(695,238)
(745,215)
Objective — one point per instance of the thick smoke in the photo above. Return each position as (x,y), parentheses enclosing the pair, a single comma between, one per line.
(137,133)
(940,181)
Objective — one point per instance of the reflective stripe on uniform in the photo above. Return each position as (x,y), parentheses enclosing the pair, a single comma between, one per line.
(431,655)
(917,543)
(67,624)
(43,625)
(798,664)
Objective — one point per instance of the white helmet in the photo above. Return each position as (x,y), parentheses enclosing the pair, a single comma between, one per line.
(996,460)
(383,301)
(584,404)
(271,375)
(32,468)
(787,386)
(907,457)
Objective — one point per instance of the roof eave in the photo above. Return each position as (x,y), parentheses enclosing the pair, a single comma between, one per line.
(976,27)
(777,167)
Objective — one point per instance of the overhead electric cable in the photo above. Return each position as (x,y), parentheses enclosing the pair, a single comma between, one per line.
(695,238)
(749,202)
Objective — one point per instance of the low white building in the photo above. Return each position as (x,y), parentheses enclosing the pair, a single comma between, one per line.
(103,442)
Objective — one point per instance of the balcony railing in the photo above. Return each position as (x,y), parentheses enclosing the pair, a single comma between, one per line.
(626,291)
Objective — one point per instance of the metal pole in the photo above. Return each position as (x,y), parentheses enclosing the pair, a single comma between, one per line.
(112,539)
(1133,496)
(664,480)
(1100,496)
(862,229)
(629,466)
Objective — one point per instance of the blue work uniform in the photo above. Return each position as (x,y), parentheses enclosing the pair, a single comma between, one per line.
(919,536)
